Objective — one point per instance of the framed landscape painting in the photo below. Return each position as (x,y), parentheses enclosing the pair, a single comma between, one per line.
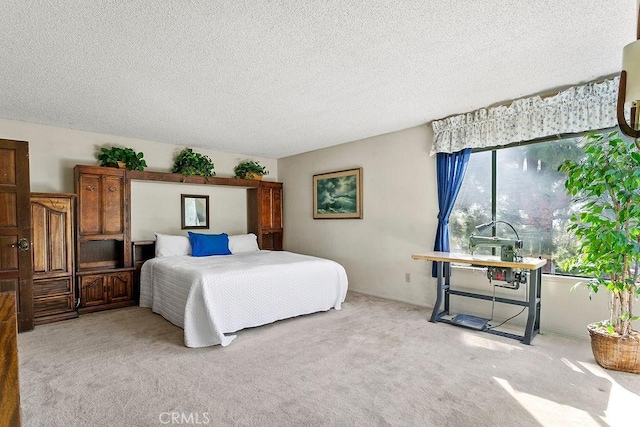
(338,195)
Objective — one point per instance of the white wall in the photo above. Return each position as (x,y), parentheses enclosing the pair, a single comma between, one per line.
(400,210)
(54,151)
(155,207)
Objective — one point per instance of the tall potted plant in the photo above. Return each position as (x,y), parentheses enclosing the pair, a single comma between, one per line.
(606,184)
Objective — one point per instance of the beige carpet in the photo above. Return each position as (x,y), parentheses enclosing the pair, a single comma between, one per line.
(374,363)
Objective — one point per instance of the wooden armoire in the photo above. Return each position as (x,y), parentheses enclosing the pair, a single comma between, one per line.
(264,215)
(53,225)
(104,266)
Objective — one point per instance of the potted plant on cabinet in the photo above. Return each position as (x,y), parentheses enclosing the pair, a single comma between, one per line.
(250,169)
(606,184)
(122,158)
(188,162)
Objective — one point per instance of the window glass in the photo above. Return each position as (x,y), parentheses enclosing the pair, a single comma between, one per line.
(473,205)
(530,195)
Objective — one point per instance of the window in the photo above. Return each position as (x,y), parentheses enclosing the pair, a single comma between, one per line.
(522,186)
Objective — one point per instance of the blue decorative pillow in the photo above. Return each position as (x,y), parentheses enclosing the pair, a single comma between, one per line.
(209,244)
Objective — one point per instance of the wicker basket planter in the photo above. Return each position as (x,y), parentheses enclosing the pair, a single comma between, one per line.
(615,353)
(255,176)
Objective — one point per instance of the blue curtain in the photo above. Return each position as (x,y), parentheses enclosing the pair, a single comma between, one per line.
(450,173)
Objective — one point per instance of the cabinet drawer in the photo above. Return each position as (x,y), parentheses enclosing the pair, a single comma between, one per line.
(52,305)
(49,287)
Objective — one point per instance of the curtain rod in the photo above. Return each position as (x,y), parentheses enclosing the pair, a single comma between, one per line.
(542,95)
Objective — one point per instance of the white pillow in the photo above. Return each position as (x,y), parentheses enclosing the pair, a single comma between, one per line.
(167,245)
(243,243)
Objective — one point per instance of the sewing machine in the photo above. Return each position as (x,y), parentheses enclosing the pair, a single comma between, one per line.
(510,251)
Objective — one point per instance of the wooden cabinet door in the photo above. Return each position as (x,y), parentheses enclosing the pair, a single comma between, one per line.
(101,201)
(266,214)
(106,288)
(93,290)
(52,221)
(270,195)
(276,207)
(89,208)
(16,271)
(112,204)
(120,287)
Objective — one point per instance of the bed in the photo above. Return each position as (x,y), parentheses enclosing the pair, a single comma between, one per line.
(211,297)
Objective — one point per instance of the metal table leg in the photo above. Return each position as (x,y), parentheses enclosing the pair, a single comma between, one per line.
(533,318)
(439,292)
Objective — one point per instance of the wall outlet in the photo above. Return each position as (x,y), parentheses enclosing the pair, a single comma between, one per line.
(407,277)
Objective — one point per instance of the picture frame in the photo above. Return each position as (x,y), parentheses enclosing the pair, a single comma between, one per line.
(338,195)
(194,211)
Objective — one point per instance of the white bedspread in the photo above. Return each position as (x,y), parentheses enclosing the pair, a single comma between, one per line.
(212,296)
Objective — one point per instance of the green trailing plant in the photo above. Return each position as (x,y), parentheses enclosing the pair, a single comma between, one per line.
(131,159)
(606,183)
(247,169)
(188,162)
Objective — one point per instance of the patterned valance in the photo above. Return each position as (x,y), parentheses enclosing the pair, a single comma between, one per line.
(577,109)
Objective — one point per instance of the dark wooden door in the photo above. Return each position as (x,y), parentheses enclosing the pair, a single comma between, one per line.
(16,271)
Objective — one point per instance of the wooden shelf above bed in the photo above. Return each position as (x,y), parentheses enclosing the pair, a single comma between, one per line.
(177,177)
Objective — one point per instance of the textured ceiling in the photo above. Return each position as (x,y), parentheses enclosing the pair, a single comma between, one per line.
(277,78)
